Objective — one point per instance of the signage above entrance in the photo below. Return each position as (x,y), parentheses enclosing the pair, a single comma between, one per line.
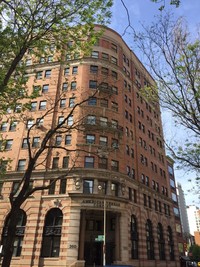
(99,203)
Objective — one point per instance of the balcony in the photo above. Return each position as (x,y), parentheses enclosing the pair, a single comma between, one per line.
(105,88)
(97,125)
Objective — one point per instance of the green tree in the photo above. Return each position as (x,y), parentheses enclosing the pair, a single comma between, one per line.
(27,30)
(172,55)
(25,24)
(195,252)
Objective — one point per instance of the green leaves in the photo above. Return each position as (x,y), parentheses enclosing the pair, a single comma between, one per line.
(175,3)
(32,24)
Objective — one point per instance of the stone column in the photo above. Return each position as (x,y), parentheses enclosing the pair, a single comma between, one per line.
(117,237)
(82,236)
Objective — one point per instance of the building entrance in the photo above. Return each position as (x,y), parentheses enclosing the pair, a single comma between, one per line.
(93,224)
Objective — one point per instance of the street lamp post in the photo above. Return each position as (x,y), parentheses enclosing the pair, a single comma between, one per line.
(104,232)
(104,227)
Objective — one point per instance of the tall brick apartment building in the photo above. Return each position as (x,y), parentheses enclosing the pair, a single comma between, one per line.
(119,184)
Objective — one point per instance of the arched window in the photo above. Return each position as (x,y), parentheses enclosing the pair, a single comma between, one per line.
(19,233)
(134,238)
(161,242)
(149,240)
(170,243)
(52,233)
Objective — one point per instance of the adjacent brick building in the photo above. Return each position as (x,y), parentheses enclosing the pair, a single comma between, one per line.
(120,171)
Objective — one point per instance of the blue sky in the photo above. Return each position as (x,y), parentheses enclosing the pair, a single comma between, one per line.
(144,11)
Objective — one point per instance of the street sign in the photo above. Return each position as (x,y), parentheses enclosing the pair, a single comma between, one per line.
(100,238)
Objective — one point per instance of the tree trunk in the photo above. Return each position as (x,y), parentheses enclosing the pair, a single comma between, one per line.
(10,237)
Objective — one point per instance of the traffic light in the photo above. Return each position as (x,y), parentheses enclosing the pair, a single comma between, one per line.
(185,247)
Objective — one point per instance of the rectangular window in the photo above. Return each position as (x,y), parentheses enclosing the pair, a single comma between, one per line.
(63,184)
(13,126)
(115,90)
(128,171)
(114,106)
(71,102)
(92,84)
(36,141)
(149,201)
(133,173)
(103,141)
(105,56)
(114,165)
(147,181)
(91,119)
(114,124)
(155,204)
(39,122)
(104,103)
(88,186)
(15,187)
(115,143)
(103,163)
(25,143)
(68,139)
(65,162)
(114,189)
(68,57)
(52,188)
(114,47)
(66,71)
(21,165)
(95,54)
(174,197)
(63,103)
(55,162)
(90,139)
(8,144)
(104,71)
(42,105)
(4,127)
(36,89)
(1,187)
(75,70)
(73,85)
(114,74)
(92,101)
(145,199)
(114,60)
(127,150)
(132,152)
(89,162)
(3,165)
(45,88)
(49,58)
(172,183)
(28,62)
(18,108)
(94,69)
(70,120)
(42,60)
(102,186)
(39,75)
(47,73)
(64,86)
(103,121)
(33,106)
(58,140)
